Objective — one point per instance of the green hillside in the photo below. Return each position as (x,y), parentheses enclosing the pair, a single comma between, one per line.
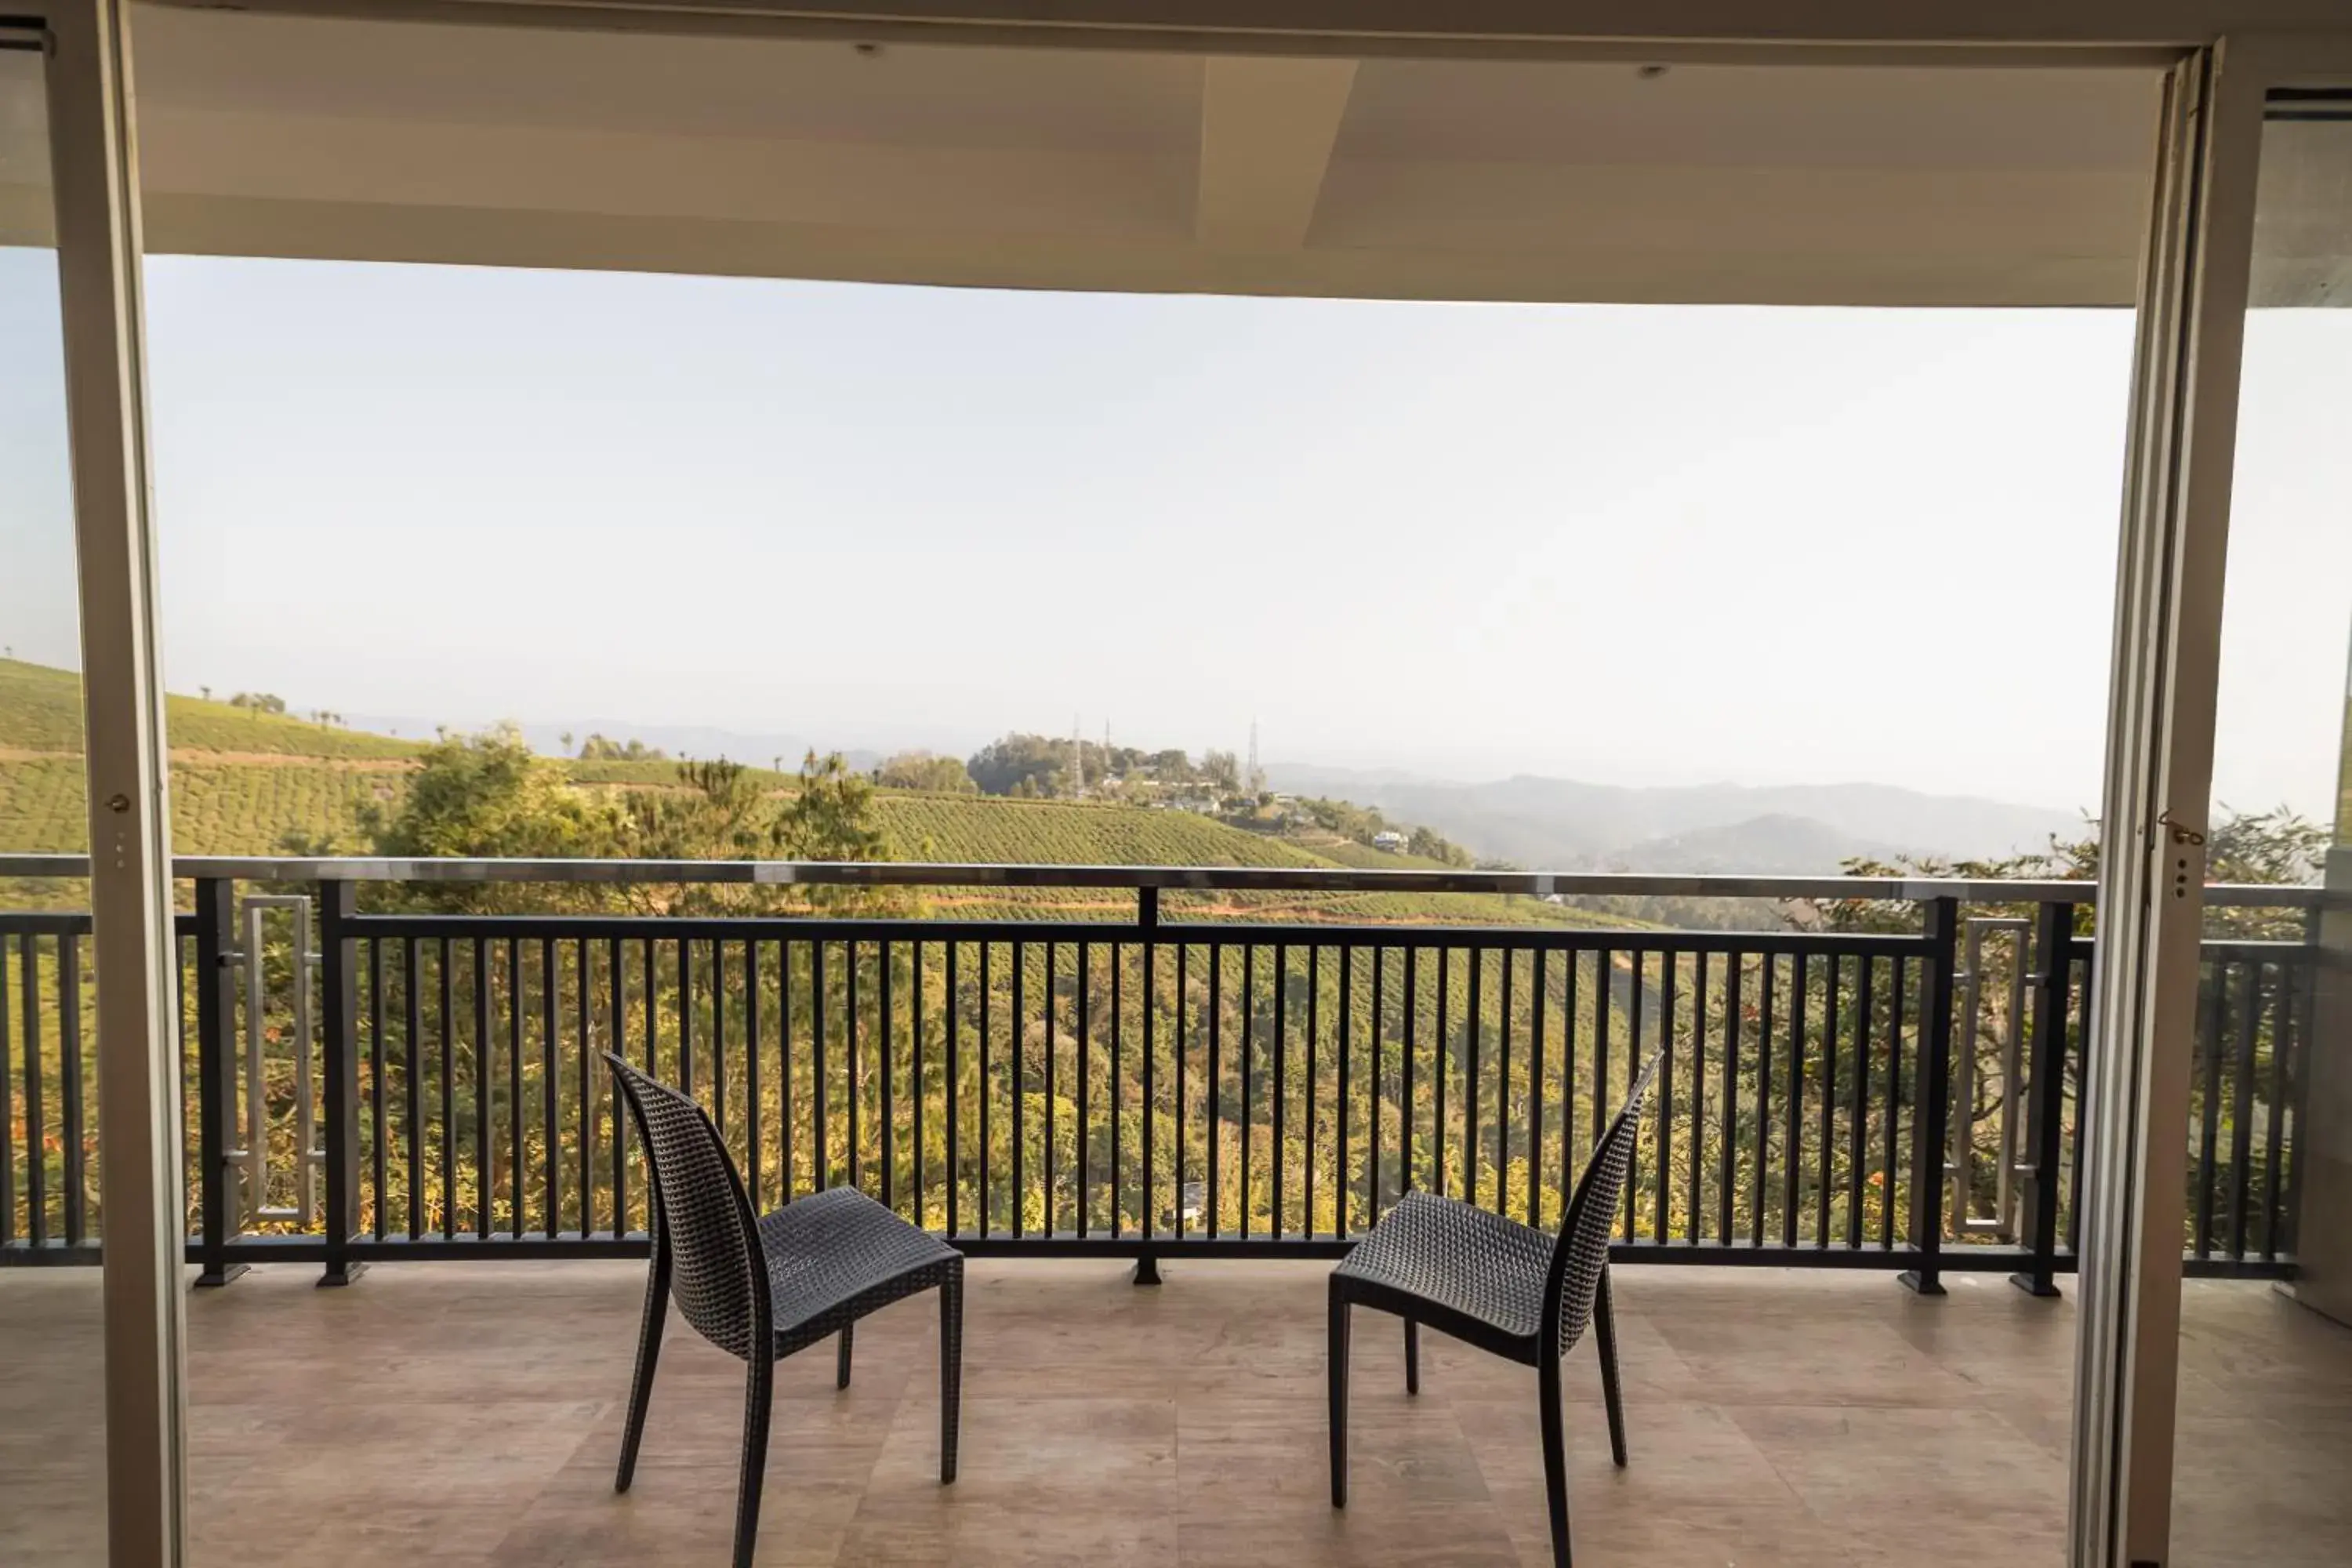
(40,710)
(244,783)
(992,830)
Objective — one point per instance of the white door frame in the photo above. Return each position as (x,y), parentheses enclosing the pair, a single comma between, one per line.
(2168,643)
(2160,724)
(95,182)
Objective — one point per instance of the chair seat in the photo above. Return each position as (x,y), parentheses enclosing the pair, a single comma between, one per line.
(834,1255)
(1472,1273)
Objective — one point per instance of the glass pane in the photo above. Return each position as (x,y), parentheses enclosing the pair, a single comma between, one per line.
(2265,1401)
(52,1433)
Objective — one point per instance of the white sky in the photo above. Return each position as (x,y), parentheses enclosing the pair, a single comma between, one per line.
(1622,543)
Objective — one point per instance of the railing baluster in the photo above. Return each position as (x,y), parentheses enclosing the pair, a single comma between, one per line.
(1567,1021)
(987,1199)
(7,1107)
(2242,1106)
(1314,1032)
(616,982)
(1734,967)
(1604,983)
(377,1114)
(1119,1081)
(1249,1043)
(216,912)
(820,1139)
(2215,987)
(917,1090)
(1929,1140)
(69,1087)
(1408,1110)
(1440,1070)
(1858,1113)
(2273,1139)
(1793,1106)
(551,1083)
(1150,910)
(685,963)
(787,1174)
(1759,1199)
(1216,1084)
(853,1055)
(485,1076)
(889,1118)
(36,1164)
(1825,1179)
(1052,1054)
(952,1022)
(1184,1148)
(1634,1058)
(1891,1164)
(718,1036)
(1086,1086)
(1503,957)
(1475,958)
(1281,1056)
(1372,1184)
(1697,1177)
(1019,1043)
(2054,927)
(1341,1188)
(514,1089)
(753,1103)
(1661,1226)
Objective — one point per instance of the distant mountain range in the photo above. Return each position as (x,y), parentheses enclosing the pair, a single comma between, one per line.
(1541,822)
(1562,825)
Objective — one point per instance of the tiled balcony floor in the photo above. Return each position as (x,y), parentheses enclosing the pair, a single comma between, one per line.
(470,1413)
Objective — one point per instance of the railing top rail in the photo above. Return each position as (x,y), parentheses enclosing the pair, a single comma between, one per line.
(1250,878)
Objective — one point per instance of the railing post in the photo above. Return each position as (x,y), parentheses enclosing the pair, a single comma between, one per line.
(216,1075)
(339,1044)
(1931,1118)
(2053,941)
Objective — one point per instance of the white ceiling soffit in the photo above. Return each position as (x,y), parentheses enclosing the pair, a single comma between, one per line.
(275,135)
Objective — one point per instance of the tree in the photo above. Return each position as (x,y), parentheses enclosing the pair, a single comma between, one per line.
(603,749)
(1005,765)
(1436,846)
(490,795)
(1221,769)
(925,771)
(259,701)
(832,817)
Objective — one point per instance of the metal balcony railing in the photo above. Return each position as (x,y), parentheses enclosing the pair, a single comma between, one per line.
(398,1082)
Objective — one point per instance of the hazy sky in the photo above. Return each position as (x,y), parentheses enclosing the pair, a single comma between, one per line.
(1622,544)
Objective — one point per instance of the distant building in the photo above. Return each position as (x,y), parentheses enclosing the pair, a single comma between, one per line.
(1392,841)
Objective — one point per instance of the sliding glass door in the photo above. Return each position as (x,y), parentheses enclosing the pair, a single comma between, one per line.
(89,1390)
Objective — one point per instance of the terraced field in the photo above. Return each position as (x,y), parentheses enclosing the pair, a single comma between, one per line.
(40,710)
(982,830)
(244,783)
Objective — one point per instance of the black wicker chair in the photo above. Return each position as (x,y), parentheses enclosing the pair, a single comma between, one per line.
(761,1290)
(1502,1286)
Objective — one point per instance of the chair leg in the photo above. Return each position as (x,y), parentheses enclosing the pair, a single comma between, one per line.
(1339,1352)
(758,1389)
(841,1373)
(1411,1356)
(1555,1456)
(950,1370)
(641,1387)
(1604,1324)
